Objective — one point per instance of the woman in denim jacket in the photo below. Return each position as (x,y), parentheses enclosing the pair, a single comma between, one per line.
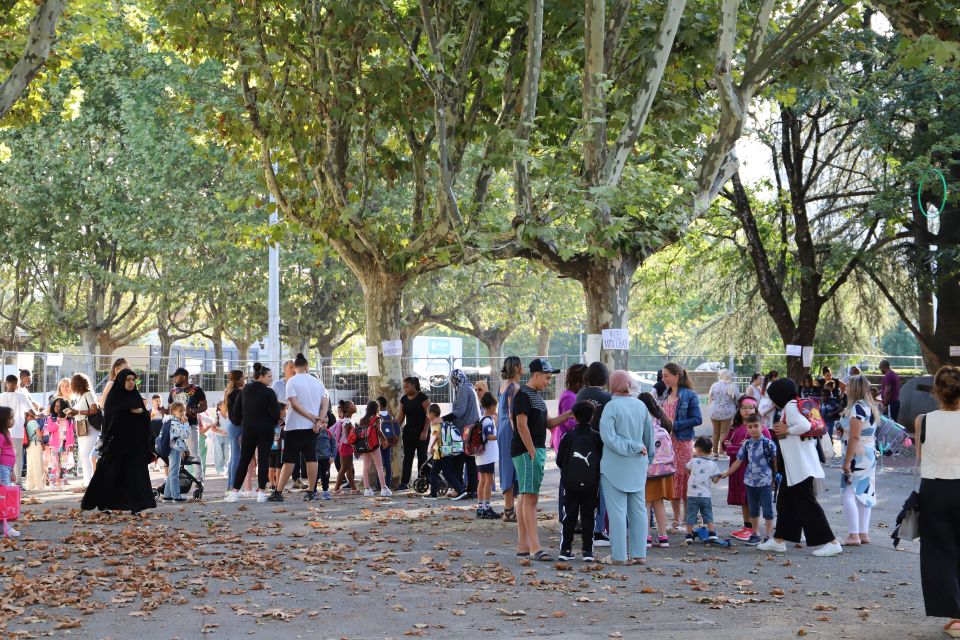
(682,405)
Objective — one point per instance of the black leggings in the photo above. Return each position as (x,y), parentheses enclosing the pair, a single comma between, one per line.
(940,547)
(260,440)
(798,511)
(412,444)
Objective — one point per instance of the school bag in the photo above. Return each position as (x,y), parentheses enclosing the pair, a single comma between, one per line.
(664,463)
(451,440)
(391,430)
(768,452)
(581,468)
(473,441)
(163,441)
(9,503)
(810,409)
(364,437)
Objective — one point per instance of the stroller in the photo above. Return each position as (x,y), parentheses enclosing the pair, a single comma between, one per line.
(187,479)
(422,483)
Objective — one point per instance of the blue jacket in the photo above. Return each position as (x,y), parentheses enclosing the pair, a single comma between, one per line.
(326,447)
(688,414)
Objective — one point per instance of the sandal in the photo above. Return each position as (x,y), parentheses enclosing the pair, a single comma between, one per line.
(864,538)
(523,554)
(542,556)
(951,629)
(611,561)
(850,541)
(509,515)
(637,561)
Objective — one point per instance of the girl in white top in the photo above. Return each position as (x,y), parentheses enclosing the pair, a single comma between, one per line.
(938,449)
(798,511)
(85,406)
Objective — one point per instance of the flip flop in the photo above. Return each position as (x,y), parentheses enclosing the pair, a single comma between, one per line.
(523,554)
(542,556)
(951,630)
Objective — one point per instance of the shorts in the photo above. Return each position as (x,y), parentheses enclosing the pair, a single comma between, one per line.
(275,458)
(702,506)
(760,499)
(300,442)
(485,468)
(530,472)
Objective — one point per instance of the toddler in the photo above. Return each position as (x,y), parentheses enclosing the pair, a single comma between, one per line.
(702,470)
(276,449)
(487,458)
(179,433)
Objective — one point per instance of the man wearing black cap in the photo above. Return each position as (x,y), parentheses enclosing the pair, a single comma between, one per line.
(195,400)
(529,453)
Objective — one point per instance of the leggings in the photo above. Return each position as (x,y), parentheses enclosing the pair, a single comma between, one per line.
(255,440)
(857,514)
(377,461)
(234,432)
(412,444)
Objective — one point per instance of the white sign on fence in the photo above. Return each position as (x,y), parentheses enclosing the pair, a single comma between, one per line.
(616,339)
(392,347)
(807,356)
(25,361)
(954,351)
(594,344)
(54,359)
(794,350)
(373,361)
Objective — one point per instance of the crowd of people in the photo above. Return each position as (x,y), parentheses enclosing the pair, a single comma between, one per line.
(622,455)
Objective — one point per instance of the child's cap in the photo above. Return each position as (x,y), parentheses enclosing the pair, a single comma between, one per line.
(583,411)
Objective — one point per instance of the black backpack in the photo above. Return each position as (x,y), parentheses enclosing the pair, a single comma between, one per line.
(581,468)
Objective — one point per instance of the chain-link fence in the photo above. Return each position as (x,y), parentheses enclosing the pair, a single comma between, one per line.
(346,378)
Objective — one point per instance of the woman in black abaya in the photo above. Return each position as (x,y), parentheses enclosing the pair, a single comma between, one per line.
(121,480)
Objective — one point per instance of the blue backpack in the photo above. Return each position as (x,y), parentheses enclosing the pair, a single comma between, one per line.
(163,440)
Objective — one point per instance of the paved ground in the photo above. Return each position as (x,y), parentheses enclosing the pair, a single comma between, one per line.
(403,567)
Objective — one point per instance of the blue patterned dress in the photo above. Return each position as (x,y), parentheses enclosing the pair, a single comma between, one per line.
(864,465)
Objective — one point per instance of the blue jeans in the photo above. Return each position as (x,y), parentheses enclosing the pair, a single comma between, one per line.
(233,435)
(172,488)
(5,473)
(760,498)
(702,506)
(600,524)
(387,467)
(221,451)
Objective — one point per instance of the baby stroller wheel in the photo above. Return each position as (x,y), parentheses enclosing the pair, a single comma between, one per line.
(421,485)
(198,494)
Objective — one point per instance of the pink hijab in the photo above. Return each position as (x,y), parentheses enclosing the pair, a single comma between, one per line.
(621,383)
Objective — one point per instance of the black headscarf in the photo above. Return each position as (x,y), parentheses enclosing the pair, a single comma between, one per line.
(119,400)
(782,391)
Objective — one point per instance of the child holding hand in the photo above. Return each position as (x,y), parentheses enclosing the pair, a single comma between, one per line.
(759,453)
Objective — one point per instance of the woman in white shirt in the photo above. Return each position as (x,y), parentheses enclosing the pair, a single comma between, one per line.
(84,407)
(798,511)
(939,452)
(723,406)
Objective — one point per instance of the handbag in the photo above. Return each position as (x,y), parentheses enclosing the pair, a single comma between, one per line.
(908,520)
(81,426)
(9,503)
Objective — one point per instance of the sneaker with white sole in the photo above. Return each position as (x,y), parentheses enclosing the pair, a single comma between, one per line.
(262,496)
(368,493)
(461,496)
(232,496)
(326,495)
(829,549)
(772,545)
(600,540)
(10,532)
(386,493)
(588,557)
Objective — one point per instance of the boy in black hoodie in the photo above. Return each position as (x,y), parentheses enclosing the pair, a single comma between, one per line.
(579,460)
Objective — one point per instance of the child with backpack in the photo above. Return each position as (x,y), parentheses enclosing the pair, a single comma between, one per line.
(699,486)
(736,490)
(487,452)
(831,407)
(759,455)
(36,478)
(8,458)
(179,430)
(276,449)
(341,432)
(579,460)
(326,449)
(366,439)
(660,472)
(443,450)
(391,435)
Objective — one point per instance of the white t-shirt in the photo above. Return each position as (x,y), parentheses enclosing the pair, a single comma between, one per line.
(700,483)
(309,393)
(491,451)
(280,388)
(20,403)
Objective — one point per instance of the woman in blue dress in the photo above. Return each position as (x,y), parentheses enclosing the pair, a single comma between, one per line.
(511,373)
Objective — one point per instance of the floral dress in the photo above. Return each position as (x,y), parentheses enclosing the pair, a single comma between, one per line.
(736,489)
(864,465)
(682,451)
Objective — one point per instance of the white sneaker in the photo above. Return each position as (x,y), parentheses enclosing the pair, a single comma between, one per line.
(773,545)
(10,532)
(386,493)
(232,496)
(829,549)
(368,493)
(261,496)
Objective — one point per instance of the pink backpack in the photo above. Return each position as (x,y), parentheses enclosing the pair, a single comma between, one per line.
(663,461)
(9,503)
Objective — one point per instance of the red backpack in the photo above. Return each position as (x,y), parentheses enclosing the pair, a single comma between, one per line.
(365,438)
(473,441)
(810,409)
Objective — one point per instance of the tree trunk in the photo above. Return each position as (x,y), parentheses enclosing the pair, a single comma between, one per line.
(218,354)
(88,345)
(43,33)
(606,289)
(243,353)
(543,340)
(166,347)
(382,295)
(495,346)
